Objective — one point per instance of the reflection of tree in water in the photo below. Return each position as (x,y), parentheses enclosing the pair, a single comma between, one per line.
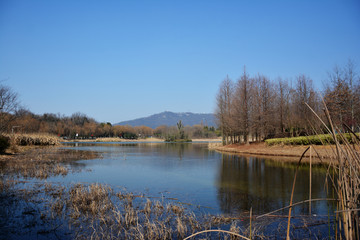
(182,150)
(178,148)
(245,182)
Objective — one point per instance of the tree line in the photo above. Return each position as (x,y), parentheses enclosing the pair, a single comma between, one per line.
(15,119)
(255,108)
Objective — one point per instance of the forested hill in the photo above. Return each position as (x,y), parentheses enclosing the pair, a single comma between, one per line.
(171,118)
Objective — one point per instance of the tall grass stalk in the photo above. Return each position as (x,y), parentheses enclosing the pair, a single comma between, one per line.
(347,174)
(250,221)
(292,194)
(310,183)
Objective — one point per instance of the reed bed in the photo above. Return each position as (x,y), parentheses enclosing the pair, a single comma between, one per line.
(97,211)
(42,163)
(345,179)
(35,139)
(110,215)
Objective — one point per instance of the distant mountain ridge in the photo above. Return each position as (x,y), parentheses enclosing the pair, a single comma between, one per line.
(170,119)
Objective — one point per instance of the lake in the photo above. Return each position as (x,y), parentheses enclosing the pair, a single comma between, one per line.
(206,180)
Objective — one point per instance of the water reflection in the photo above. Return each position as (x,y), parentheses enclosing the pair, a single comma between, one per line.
(264,185)
(165,152)
(193,174)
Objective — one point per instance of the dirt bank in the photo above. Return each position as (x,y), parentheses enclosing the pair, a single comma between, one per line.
(283,153)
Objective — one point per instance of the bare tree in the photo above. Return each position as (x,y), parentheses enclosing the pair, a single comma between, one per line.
(242,105)
(352,79)
(342,95)
(304,93)
(338,97)
(283,104)
(223,112)
(263,108)
(8,106)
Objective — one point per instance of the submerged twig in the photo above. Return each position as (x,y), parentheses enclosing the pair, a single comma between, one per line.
(292,194)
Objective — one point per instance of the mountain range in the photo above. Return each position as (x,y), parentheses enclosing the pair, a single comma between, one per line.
(170,119)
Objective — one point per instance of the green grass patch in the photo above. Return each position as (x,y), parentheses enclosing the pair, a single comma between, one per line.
(307,140)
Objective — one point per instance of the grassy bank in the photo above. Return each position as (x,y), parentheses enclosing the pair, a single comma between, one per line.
(322,139)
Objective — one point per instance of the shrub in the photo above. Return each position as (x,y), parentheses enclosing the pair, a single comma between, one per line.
(129,135)
(315,140)
(4,143)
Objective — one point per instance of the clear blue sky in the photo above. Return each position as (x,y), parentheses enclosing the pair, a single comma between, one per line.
(120,60)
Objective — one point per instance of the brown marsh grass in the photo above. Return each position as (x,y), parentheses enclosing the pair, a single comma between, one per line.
(41,163)
(344,177)
(34,139)
(97,211)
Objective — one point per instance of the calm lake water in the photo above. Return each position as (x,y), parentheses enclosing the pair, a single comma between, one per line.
(209,181)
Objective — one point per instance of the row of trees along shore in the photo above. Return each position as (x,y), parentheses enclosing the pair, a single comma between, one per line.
(79,125)
(16,119)
(256,108)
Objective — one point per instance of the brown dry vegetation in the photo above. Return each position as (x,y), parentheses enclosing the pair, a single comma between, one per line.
(117,215)
(97,211)
(36,162)
(37,139)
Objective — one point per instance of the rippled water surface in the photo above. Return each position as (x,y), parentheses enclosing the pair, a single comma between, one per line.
(211,181)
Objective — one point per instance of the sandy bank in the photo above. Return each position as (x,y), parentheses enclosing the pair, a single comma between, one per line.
(283,153)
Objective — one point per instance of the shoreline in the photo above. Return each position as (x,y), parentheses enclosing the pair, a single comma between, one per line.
(280,153)
(151,139)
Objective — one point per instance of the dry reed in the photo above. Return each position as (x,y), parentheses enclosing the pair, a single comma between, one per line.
(37,139)
(346,177)
(42,163)
(98,212)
